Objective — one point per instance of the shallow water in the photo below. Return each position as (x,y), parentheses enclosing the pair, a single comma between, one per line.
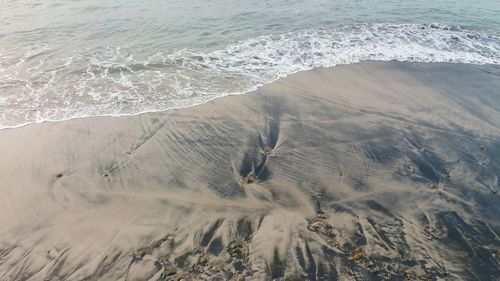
(65,59)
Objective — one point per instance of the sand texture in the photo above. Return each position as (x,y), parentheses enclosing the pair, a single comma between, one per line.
(371,171)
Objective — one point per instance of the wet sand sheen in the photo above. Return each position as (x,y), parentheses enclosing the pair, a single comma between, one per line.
(367,171)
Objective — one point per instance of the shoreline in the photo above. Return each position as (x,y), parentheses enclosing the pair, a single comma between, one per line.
(364,170)
(256,89)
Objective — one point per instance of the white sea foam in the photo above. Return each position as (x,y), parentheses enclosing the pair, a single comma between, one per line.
(37,87)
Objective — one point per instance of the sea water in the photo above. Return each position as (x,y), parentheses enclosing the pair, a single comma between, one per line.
(69,59)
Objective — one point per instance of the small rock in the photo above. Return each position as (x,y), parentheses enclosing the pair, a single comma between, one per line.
(249,179)
(357,255)
(140,253)
(334,243)
(315,226)
(409,274)
(237,249)
(321,215)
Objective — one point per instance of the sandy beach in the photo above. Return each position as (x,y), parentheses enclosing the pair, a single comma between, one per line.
(368,171)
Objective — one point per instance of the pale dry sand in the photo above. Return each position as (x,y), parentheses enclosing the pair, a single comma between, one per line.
(360,172)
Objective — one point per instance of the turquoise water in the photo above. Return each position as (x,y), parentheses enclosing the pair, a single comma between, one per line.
(66,59)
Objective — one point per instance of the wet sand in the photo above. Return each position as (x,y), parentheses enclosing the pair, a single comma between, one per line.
(376,170)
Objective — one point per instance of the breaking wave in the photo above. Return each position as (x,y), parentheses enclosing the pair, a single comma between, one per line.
(40,86)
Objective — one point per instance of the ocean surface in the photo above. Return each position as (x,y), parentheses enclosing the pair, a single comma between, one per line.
(69,59)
